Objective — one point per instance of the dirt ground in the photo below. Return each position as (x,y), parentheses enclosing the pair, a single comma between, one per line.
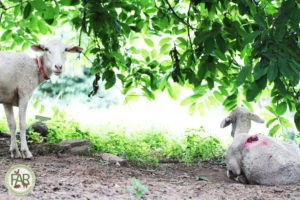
(76,177)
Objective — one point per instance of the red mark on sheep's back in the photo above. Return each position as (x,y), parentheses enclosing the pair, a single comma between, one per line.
(250,140)
(265,143)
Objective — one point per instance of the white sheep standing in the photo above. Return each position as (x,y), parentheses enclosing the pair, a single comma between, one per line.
(259,159)
(19,76)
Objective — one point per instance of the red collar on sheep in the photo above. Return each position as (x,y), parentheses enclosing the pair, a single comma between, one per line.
(41,68)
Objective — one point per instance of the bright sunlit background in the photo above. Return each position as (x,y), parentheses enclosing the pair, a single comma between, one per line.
(163,113)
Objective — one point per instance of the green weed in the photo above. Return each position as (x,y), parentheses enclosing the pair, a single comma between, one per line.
(137,188)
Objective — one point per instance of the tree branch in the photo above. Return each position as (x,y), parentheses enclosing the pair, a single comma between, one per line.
(180,19)
(83,23)
(188,29)
(1,16)
(95,85)
(3,7)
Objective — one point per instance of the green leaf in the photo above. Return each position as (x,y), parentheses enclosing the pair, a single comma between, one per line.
(270,122)
(297,120)
(180,31)
(285,69)
(145,53)
(135,181)
(6,35)
(202,71)
(138,194)
(209,44)
(220,54)
(192,109)
(38,4)
(221,43)
(173,91)
(164,48)
(210,83)
(182,41)
(252,92)
(243,74)
(295,65)
(143,188)
(110,78)
(280,86)
(248,105)
(153,53)
(201,109)
(69,2)
(260,20)
(281,108)
(42,27)
(131,97)
(167,63)
(212,100)
(274,130)
(285,122)
(272,71)
(27,10)
(49,13)
(218,96)
(269,108)
(201,36)
(149,42)
(259,71)
(150,95)
(130,188)
(151,10)
(262,82)
(192,98)
(164,41)
(280,31)
(250,37)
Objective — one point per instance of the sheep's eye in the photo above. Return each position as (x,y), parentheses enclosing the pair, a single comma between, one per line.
(66,49)
(46,49)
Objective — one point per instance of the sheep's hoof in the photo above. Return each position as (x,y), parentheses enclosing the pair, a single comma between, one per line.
(26,154)
(15,153)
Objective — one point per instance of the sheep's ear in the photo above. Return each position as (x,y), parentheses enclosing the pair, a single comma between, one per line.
(74,49)
(226,122)
(38,47)
(256,118)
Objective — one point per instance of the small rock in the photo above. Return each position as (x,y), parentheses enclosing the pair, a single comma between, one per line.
(73,143)
(113,159)
(39,127)
(55,188)
(81,150)
(75,146)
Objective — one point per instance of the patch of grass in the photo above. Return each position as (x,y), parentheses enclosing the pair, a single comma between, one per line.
(3,124)
(140,145)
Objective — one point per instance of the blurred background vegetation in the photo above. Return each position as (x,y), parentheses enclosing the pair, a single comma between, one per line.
(197,60)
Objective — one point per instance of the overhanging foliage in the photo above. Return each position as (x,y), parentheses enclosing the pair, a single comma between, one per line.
(230,51)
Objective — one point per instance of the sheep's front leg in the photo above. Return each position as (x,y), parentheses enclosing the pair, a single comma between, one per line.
(26,154)
(9,112)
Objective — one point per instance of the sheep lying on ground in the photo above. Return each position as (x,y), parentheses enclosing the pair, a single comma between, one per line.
(19,76)
(259,159)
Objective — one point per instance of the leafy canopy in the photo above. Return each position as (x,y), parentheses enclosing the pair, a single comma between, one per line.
(227,51)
